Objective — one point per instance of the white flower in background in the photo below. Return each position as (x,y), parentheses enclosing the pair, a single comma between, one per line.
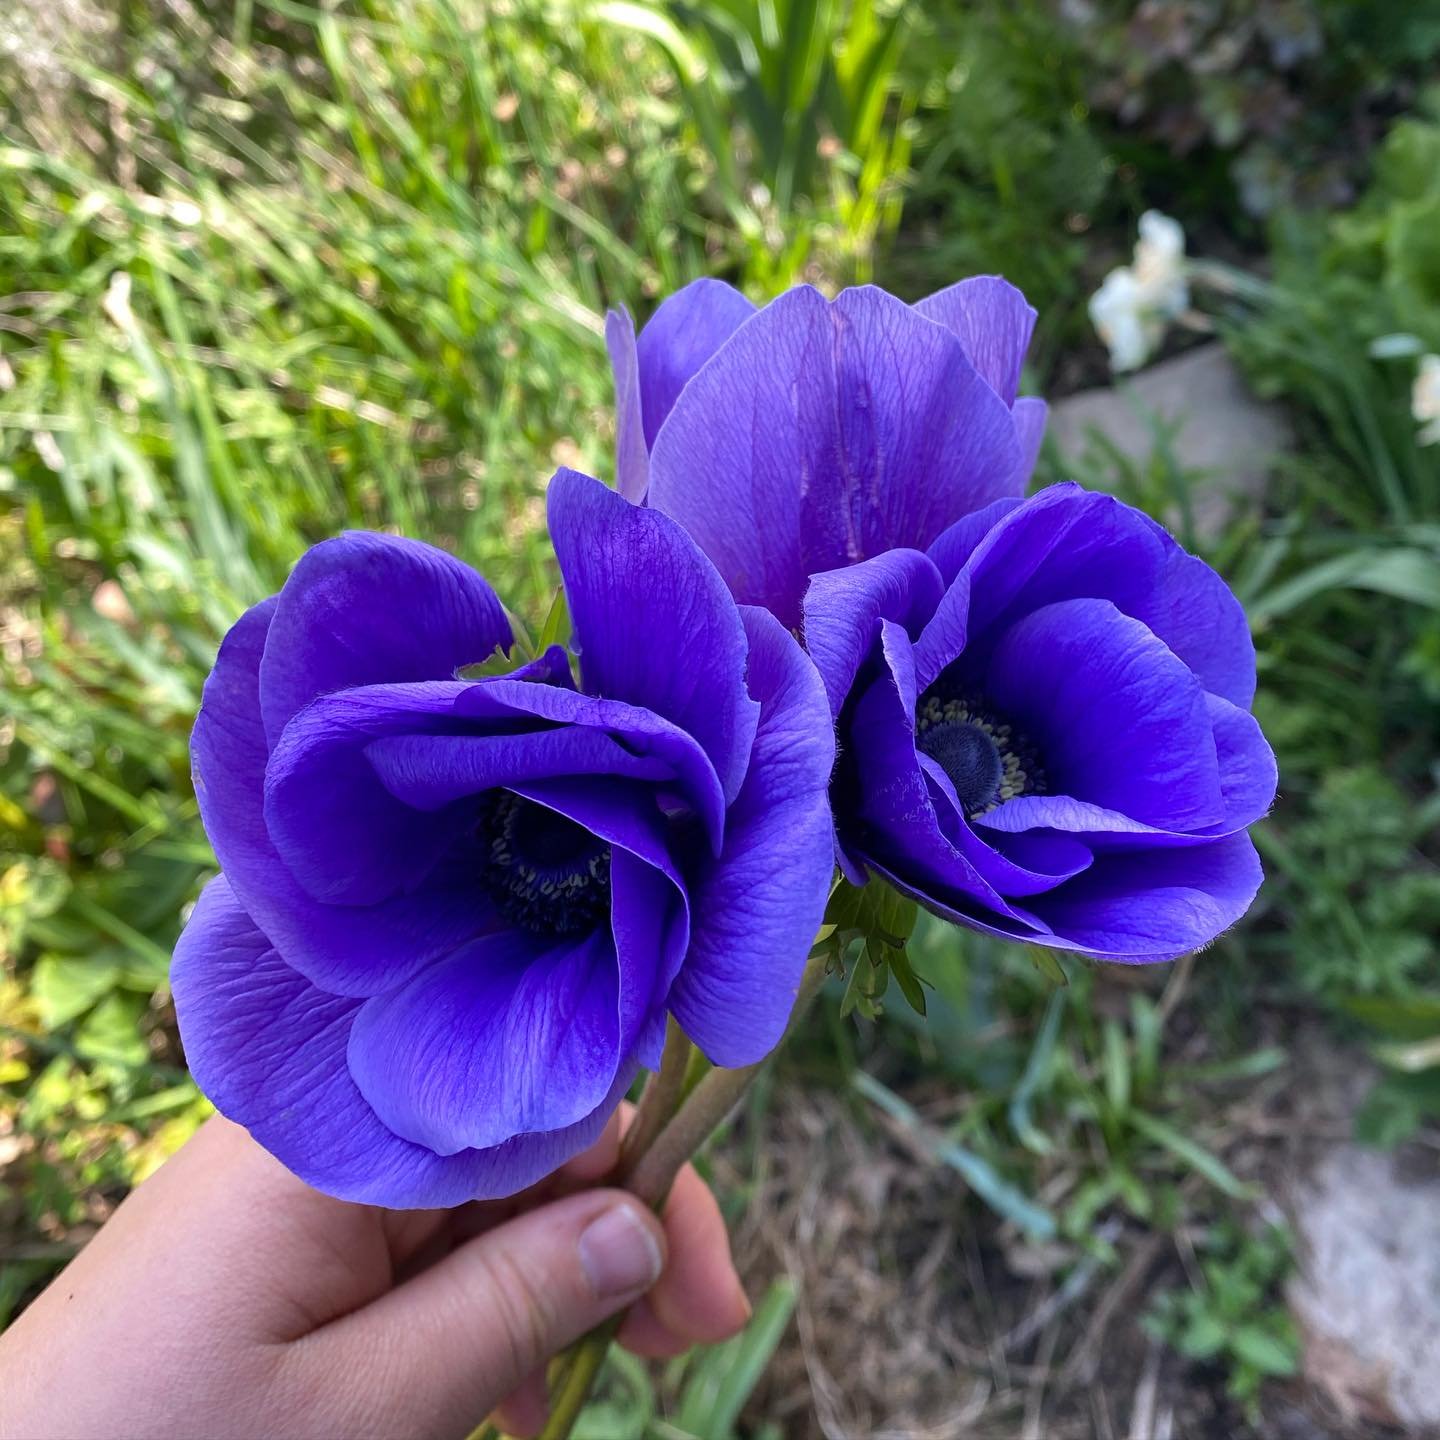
(1137,301)
(1425,400)
(1118,314)
(1160,261)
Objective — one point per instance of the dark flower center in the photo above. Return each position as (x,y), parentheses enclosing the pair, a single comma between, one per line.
(546,873)
(987,759)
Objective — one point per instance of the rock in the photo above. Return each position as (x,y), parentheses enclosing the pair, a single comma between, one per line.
(1367,1295)
(1212,423)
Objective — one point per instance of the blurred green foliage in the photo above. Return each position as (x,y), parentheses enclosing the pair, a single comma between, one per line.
(1269,103)
(265,275)
(802,108)
(1232,1315)
(273,269)
(1345,591)
(1011,176)
(697,1397)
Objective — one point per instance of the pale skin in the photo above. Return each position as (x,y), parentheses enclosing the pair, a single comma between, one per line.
(227,1298)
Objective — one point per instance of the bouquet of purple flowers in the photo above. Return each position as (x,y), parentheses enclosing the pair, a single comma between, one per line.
(816,647)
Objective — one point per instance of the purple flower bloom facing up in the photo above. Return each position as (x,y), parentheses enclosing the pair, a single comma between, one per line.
(454,913)
(1045,728)
(813,434)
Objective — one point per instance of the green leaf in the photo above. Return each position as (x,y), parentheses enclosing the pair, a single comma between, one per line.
(911,985)
(1388,1116)
(1048,964)
(1413,247)
(860,983)
(1416,1017)
(1401,572)
(1410,1056)
(1196,1156)
(1138,1198)
(1245,1067)
(66,986)
(653,23)
(1145,1025)
(1203,1337)
(725,1377)
(1266,1352)
(555,630)
(883,921)
(999,1194)
(874,910)
(1117,1069)
(628,1405)
(111,1033)
(1409,161)
(498,662)
(1036,1068)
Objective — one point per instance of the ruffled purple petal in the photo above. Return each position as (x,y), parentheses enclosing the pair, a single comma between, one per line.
(650,923)
(348,951)
(993,321)
(1248,775)
(632,453)
(1116,717)
(1015,866)
(552,667)
(1030,416)
(887,806)
(369,788)
(1247,785)
(955,545)
(269,1049)
(843,609)
(653,622)
(431,771)
(944,639)
(1040,861)
(961,909)
(1156,904)
(620,813)
(756,909)
(507,1036)
(367,609)
(824,433)
(1066,543)
(686,330)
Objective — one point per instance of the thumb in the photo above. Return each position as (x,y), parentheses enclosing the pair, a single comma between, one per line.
(438,1353)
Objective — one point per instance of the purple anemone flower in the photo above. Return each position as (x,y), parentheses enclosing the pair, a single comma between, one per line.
(1045,728)
(454,913)
(812,433)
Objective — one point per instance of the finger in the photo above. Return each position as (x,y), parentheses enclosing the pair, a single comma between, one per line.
(525,1412)
(593,1165)
(699,1298)
(643,1334)
(582,1171)
(238,1236)
(452,1343)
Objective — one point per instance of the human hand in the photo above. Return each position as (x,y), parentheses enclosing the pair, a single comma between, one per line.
(227,1298)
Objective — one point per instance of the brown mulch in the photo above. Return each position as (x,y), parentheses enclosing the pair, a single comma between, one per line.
(921,1316)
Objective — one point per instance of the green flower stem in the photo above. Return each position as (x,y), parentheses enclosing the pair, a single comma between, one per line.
(661,1098)
(713,1098)
(698,1069)
(577,1380)
(653,1172)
